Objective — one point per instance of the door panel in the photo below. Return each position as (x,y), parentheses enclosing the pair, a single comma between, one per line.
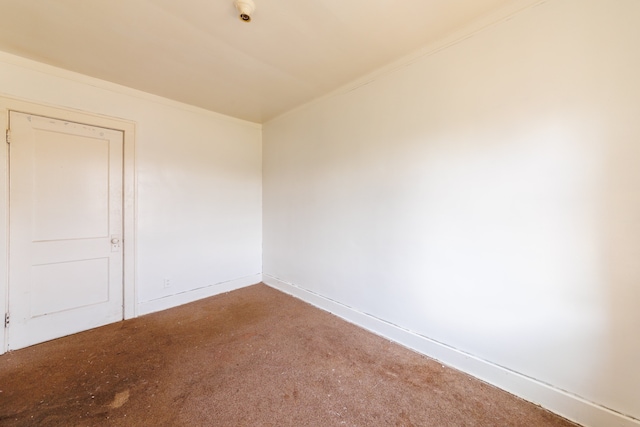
(80,166)
(65,210)
(55,287)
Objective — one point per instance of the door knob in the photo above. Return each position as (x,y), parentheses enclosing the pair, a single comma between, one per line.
(115,241)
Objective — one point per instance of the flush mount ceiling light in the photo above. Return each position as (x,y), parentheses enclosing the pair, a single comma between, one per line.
(245,8)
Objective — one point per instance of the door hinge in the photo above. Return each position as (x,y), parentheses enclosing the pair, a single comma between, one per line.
(8,136)
(6,319)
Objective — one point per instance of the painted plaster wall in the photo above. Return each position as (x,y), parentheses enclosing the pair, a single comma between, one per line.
(198,182)
(486,196)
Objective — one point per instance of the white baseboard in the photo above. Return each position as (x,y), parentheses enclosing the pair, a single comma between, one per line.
(175,300)
(565,404)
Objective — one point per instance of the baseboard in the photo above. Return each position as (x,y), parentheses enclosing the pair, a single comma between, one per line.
(175,300)
(565,404)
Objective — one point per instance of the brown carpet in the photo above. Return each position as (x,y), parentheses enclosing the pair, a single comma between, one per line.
(252,357)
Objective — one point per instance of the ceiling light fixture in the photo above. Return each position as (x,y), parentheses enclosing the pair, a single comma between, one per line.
(246,8)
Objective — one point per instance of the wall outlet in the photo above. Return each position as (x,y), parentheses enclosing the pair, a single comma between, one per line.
(167,282)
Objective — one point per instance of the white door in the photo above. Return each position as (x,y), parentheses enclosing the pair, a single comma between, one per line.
(65,228)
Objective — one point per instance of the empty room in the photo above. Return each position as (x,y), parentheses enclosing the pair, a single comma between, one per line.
(319,213)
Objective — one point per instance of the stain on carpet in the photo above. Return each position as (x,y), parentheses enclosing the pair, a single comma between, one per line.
(119,399)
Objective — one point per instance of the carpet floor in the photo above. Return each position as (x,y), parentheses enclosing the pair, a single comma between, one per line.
(252,357)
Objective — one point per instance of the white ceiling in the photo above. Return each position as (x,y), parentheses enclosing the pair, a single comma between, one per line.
(200,53)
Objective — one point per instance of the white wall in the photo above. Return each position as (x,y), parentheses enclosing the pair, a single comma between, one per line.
(198,183)
(485,197)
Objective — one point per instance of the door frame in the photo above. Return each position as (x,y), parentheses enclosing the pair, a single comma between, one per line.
(129,196)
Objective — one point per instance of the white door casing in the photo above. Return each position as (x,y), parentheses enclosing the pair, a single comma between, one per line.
(67,235)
